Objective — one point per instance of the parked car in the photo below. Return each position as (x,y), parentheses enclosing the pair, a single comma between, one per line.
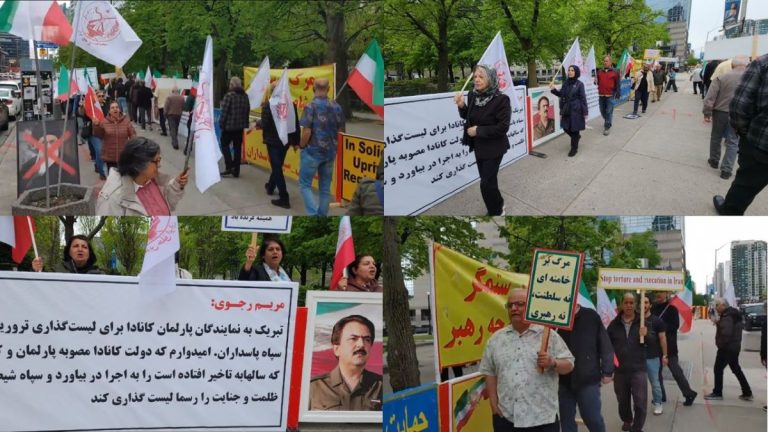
(753,315)
(12,99)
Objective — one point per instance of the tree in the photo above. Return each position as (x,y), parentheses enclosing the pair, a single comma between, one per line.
(127,236)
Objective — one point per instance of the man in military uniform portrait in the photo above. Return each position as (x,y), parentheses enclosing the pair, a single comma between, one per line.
(349,386)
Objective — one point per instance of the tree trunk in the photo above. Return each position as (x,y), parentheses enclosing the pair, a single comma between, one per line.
(69,226)
(337,53)
(450,74)
(533,80)
(303,274)
(401,349)
(220,84)
(324,271)
(442,55)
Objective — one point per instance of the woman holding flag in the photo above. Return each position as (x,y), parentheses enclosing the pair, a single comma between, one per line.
(270,266)
(114,131)
(362,275)
(78,258)
(573,107)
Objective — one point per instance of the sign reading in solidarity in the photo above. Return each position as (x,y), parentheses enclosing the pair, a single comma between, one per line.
(633,279)
(91,352)
(360,158)
(555,277)
(469,298)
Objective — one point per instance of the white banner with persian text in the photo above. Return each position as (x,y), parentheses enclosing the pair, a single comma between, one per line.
(267,224)
(89,352)
(424,160)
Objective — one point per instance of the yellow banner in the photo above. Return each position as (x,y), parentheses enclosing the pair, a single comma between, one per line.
(555,277)
(479,416)
(470,299)
(300,82)
(360,157)
(256,153)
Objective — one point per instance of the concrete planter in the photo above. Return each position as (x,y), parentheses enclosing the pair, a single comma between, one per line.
(75,200)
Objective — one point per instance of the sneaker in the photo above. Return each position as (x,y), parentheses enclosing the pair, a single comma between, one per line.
(689,399)
(725,175)
(747,398)
(713,163)
(658,409)
(607,132)
(713,396)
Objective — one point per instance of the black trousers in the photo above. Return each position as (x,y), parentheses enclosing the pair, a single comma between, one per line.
(670,84)
(234,138)
(751,178)
(731,359)
(501,424)
(698,85)
(677,373)
(489,185)
(632,392)
(162,120)
(575,137)
(641,95)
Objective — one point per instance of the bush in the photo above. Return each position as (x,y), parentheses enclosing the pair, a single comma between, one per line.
(410,87)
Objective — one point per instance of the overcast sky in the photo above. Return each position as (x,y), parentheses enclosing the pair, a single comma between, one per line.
(704,234)
(707,15)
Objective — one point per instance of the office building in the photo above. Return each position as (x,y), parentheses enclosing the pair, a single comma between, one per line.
(668,233)
(677,15)
(749,269)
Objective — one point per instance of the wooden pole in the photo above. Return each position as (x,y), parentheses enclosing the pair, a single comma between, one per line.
(32,232)
(254,239)
(642,313)
(466,82)
(544,344)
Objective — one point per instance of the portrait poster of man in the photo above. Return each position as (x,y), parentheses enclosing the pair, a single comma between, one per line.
(31,160)
(545,119)
(343,360)
(731,15)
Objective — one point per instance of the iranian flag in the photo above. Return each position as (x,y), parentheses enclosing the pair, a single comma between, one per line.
(150,81)
(345,251)
(605,309)
(17,232)
(92,107)
(625,63)
(35,20)
(66,86)
(367,79)
(467,402)
(585,299)
(683,302)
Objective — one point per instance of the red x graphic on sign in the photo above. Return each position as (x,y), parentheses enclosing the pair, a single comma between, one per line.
(52,153)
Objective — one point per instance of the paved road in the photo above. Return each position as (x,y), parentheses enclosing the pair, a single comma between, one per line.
(697,354)
(653,165)
(244,195)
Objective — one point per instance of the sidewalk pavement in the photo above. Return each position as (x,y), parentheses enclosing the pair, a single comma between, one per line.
(656,164)
(231,196)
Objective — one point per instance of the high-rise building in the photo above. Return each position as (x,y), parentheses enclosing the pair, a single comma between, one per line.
(722,278)
(668,233)
(749,270)
(677,15)
(15,48)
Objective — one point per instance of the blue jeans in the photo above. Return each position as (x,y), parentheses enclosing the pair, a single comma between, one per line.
(588,399)
(653,365)
(324,169)
(123,102)
(606,110)
(95,143)
(276,177)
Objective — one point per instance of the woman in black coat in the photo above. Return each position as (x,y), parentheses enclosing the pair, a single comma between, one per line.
(487,114)
(573,107)
(269,268)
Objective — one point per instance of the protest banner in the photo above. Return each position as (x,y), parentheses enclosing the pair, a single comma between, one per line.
(626,87)
(413,409)
(322,359)
(300,82)
(89,352)
(553,287)
(359,159)
(635,279)
(467,304)
(265,224)
(470,408)
(425,161)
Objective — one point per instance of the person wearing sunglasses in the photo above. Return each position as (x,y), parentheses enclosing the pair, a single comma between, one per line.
(137,187)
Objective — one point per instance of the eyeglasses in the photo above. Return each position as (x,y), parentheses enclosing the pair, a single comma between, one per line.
(518,304)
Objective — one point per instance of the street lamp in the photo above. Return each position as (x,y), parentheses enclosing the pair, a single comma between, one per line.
(707,39)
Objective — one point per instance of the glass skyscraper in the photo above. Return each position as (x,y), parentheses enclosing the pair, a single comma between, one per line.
(673,10)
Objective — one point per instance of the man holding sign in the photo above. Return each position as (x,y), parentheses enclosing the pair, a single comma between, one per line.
(520,395)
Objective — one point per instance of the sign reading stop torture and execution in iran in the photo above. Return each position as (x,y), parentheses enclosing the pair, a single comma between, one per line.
(633,279)
(90,352)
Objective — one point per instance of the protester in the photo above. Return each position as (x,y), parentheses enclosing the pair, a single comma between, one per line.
(671,80)
(609,89)
(542,124)
(487,112)
(573,107)
(269,267)
(94,142)
(114,132)
(137,187)
(655,354)
(728,341)
(79,257)
(181,273)
(749,117)
(643,86)
(670,315)
(120,95)
(589,343)
(322,120)
(368,199)
(144,100)
(189,106)
(706,76)
(349,386)
(277,150)
(173,107)
(715,110)
(630,382)
(659,78)
(509,369)
(161,95)
(234,119)
(362,275)
(697,81)
(134,98)
(723,68)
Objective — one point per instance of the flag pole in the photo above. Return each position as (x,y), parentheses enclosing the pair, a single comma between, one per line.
(45,131)
(71,72)
(466,82)
(32,233)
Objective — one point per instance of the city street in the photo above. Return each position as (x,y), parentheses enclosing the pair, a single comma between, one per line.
(231,196)
(656,164)
(697,358)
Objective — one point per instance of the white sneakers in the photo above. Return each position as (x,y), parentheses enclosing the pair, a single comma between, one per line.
(658,409)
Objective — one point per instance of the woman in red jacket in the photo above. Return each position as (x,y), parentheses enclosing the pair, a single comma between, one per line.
(114,132)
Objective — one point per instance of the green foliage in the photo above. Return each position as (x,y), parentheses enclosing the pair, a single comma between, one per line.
(410,87)
(692,60)
(127,236)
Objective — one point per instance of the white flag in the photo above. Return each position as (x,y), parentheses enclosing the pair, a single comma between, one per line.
(496,57)
(589,66)
(207,152)
(281,105)
(259,84)
(148,78)
(605,309)
(573,58)
(7,231)
(158,272)
(101,31)
(729,293)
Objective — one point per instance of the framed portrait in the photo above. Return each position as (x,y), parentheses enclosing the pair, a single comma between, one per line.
(343,358)
(544,115)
